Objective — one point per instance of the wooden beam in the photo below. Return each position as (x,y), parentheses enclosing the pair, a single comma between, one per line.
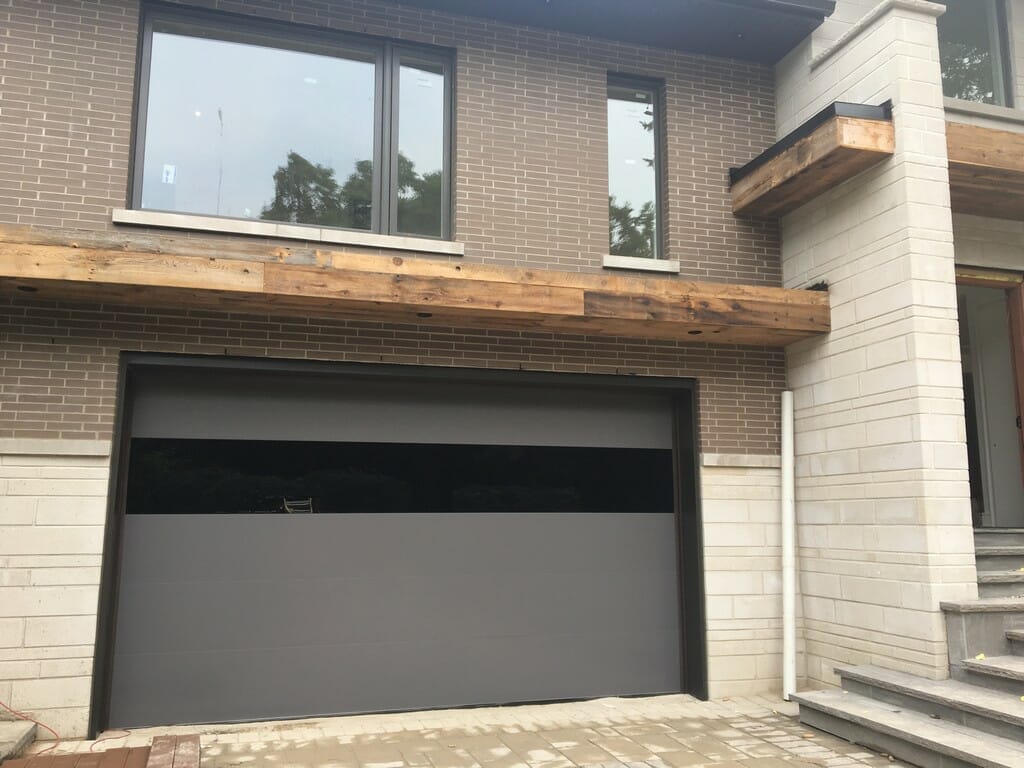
(835,151)
(986,170)
(113,267)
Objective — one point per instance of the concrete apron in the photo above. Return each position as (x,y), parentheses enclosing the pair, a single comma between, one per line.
(655,732)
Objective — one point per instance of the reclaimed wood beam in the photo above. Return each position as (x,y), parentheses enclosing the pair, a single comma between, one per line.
(262,277)
(986,170)
(826,151)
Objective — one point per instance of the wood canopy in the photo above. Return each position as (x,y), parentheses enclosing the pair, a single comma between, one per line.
(835,145)
(242,275)
(986,170)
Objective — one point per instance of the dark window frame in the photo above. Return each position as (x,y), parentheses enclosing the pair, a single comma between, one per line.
(387,55)
(1005,96)
(657,89)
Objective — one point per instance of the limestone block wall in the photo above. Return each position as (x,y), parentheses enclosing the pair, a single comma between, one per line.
(742,574)
(983,242)
(52,510)
(882,489)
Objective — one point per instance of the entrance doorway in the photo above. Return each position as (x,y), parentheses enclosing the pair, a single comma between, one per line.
(990,330)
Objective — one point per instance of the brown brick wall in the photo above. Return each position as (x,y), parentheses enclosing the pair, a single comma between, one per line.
(58,362)
(531,190)
(531,153)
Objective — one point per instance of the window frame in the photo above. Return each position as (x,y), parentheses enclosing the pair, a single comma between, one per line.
(386,55)
(656,87)
(1002,70)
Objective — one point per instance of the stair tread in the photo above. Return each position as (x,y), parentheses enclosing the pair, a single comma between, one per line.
(1011,667)
(15,735)
(997,531)
(967,744)
(1015,634)
(971,698)
(985,605)
(999,549)
(1000,577)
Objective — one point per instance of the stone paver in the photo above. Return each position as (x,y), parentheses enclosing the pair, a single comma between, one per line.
(654,732)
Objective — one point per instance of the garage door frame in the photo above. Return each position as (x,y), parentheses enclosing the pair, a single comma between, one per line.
(683,393)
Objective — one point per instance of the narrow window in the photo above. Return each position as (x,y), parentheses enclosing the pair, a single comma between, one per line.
(419,184)
(259,124)
(971,49)
(634,209)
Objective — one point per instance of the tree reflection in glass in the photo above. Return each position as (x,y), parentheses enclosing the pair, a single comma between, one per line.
(632,172)
(420,145)
(969,52)
(245,130)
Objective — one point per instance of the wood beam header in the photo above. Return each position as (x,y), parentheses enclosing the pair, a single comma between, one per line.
(986,170)
(186,272)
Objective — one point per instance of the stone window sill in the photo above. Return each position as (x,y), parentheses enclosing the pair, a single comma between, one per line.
(641,264)
(305,232)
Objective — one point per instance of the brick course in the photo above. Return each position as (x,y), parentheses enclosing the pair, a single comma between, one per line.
(58,362)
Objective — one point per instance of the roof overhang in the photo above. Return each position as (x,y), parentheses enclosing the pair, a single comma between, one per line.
(753,30)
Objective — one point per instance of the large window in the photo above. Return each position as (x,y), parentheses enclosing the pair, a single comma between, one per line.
(634,128)
(242,121)
(972,50)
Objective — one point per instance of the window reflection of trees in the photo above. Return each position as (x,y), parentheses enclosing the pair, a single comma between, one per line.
(306,192)
(967,72)
(634,233)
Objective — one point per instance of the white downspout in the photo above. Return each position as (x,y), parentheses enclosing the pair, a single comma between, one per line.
(788,551)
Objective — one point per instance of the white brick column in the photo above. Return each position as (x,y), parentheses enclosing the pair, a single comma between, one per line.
(742,573)
(52,511)
(882,491)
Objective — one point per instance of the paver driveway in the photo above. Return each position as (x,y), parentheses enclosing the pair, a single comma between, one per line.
(655,732)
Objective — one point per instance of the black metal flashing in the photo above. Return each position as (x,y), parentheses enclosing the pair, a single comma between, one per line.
(835,109)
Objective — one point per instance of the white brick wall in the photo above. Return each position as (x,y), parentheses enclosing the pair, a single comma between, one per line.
(883,507)
(52,510)
(743,563)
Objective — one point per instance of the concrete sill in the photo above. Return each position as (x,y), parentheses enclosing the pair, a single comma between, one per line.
(640,264)
(286,231)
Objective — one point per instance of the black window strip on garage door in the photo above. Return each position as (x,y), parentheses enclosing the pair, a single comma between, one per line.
(313,540)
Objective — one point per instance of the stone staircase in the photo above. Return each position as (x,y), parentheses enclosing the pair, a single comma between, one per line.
(976,718)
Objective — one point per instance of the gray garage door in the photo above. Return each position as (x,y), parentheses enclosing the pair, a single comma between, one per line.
(297,545)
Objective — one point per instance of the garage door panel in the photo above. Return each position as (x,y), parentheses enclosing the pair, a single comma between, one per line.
(572,591)
(233,406)
(237,547)
(267,682)
(469,589)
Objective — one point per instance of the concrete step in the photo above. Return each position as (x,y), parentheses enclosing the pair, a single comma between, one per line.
(999,557)
(995,712)
(980,626)
(1016,640)
(998,536)
(15,736)
(905,734)
(1004,673)
(1001,583)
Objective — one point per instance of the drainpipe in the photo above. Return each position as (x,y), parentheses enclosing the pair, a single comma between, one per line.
(788,551)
